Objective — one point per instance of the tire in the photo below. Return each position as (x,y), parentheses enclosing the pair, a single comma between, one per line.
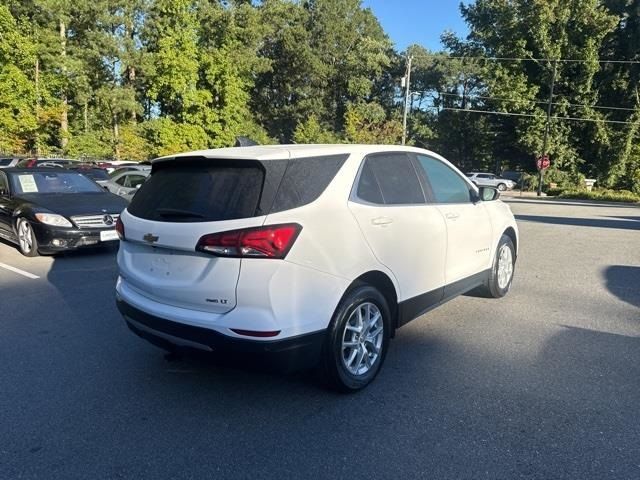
(502,187)
(27,242)
(501,276)
(351,368)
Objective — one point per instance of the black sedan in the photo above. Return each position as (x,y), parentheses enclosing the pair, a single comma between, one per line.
(46,210)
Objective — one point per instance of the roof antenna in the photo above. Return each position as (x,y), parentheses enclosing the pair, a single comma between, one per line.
(245,142)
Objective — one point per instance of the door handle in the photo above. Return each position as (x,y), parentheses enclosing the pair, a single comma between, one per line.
(381,221)
(451,216)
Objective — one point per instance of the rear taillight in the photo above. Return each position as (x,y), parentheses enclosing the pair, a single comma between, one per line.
(120,228)
(272,241)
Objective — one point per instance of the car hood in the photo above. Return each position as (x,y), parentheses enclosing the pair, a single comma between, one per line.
(70,204)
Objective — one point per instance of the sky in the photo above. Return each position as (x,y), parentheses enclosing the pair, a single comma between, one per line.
(418,21)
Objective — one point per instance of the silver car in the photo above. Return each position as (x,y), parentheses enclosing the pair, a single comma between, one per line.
(126,182)
(483,179)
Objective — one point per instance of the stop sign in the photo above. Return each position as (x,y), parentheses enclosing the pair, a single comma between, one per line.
(542,163)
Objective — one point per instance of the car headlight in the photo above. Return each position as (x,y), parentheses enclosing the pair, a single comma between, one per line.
(53,219)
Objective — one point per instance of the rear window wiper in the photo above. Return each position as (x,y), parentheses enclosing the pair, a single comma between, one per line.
(174,212)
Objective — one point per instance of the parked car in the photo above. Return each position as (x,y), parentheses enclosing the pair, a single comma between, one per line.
(116,164)
(46,162)
(131,168)
(126,183)
(97,174)
(482,179)
(310,255)
(8,162)
(45,210)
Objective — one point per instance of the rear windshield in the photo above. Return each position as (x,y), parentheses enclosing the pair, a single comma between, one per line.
(194,190)
(53,182)
(199,193)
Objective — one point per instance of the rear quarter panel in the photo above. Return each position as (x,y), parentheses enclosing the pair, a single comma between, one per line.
(331,240)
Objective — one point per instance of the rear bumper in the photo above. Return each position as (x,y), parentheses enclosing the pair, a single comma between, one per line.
(289,354)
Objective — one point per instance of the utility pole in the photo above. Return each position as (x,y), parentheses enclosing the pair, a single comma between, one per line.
(545,145)
(407,95)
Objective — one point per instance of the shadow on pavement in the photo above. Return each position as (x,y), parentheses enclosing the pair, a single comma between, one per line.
(580,222)
(447,402)
(569,203)
(636,219)
(624,282)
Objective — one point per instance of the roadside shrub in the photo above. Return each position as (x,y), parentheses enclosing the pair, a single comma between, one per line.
(601,194)
(554,192)
(529,181)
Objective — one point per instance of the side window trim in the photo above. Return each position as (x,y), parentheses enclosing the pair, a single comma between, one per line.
(427,189)
(354,189)
(464,180)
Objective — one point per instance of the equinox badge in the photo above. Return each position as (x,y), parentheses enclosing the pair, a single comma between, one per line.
(150,238)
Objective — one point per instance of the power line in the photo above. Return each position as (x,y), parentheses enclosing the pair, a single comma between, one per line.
(531,59)
(494,112)
(538,101)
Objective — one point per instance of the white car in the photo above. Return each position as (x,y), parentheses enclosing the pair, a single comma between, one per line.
(490,180)
(125,182)
(310,255)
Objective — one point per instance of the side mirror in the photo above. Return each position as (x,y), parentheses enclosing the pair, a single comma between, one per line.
(138,186)
(489,194)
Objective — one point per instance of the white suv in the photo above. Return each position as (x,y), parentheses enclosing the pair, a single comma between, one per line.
(313,255)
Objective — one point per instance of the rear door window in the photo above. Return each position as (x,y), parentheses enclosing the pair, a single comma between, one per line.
(397,178)
(200,193)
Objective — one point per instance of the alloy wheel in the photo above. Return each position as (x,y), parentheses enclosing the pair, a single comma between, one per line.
(505,266)
(362,339)
(25,236)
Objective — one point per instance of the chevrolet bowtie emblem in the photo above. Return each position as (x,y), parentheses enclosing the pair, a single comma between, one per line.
(150,238)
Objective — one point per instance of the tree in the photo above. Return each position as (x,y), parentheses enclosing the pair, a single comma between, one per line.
(18,123)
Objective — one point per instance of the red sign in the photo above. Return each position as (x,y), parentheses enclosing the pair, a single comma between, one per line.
(542,163)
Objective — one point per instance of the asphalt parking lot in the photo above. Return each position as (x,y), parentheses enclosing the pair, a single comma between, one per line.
(544,383)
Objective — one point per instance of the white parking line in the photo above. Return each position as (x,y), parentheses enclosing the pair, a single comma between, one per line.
(18,271)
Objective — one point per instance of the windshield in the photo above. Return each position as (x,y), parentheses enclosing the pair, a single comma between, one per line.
(53,182)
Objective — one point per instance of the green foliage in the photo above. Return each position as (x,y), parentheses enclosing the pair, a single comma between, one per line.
(310,131)
(368,123)
(93,144)
(605,195)
(132,143)
(133,79)
(17,117)
(168,137)
(564,179)
(172,66)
